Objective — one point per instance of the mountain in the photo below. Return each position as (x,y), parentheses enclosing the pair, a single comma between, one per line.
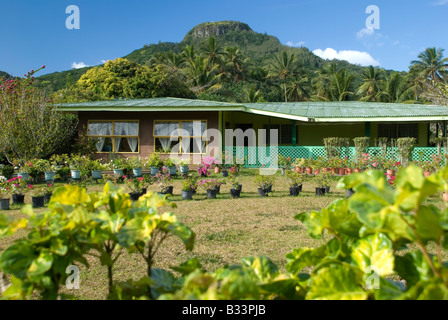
(5,74)
(260,48)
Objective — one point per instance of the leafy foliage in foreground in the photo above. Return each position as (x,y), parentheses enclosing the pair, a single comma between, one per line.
(365,238)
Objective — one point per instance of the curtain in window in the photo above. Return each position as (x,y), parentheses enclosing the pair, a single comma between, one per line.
(186,145)
(100,144)
(126,128)
(133,143)
(117,144)
(166,129)
(166,143)
(100,129)
(200,145)
(194,128)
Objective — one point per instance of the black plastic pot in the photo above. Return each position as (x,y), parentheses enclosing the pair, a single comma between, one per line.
(294,191)
(349,193)
(327,189)
(300,188)
(218,189)
(169,190)
(18,199)
(225,173)
(47,197)
(4,204)
(38,202)
(144,191)
(269,189)
(235,193)
(187,195)
(262,192)
(320,192)
(211,194)
(135,195)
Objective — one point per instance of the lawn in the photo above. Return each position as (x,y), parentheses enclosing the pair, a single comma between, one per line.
(226,231)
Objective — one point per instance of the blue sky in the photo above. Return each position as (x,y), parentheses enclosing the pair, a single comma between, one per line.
(34,32)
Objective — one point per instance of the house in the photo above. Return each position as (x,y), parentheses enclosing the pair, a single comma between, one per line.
(140,127)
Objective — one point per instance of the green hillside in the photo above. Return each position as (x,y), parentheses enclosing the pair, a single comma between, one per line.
(4,74)
(259,48)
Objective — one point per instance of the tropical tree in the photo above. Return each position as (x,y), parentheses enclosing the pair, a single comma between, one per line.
(283,67)
(234,63)
(298,89)
(252,95)
(212,52)
(431,65)
(202,78)
(371,88)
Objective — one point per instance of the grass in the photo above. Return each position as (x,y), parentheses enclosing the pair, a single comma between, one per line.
(227,230)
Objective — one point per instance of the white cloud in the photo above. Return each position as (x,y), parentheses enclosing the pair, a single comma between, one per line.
(79,65)
(352,56)
(364,33)
(298,44)
(440,3)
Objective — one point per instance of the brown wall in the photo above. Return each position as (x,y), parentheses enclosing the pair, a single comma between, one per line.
(146,124)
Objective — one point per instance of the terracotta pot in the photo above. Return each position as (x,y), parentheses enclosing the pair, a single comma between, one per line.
(357,170)
(427,174)
(390,172)
(309,170)
(302,170)
(217,170)
(335,170)
(349,170)
(342,172)
(298,169)
(445,197)
(317,171)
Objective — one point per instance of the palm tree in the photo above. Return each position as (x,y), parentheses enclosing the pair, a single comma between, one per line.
(189,54)
(200,77)
(174,61)
(341,84)
(252,95)
(431,65)
(212,52)
(235,61)
(395,89)
(284,67)
(298,89)
(322,82)
(373,80)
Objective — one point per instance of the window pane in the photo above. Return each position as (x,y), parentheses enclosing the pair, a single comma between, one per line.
(126,128)
(195,128)
(286,134)
(193,145)
(166,128)
(100,128)
(127,145)
(408,130)
(103,144)
(165,145)
(387,130)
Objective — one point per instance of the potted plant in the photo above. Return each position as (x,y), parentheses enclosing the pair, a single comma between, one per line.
(235,191)
(136,165)
(262,182)
(188,187)
(211,187)
(77,163)
(163,179)
(96,168)
(118,165)
(284,163)
(18,189)
(295,182)
(299,165)
(320,180)
(38,197)
(24,168)
(169,163)
(49,189)
(183,166)
(4,194)
(136,186)
(58,161)
(308,164)
(327,181)
(155,163)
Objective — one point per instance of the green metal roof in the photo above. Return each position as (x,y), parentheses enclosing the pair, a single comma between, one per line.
(350,111)
(153,104)
(300,111)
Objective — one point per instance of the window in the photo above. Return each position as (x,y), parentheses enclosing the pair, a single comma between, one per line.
(398,130)
(115,136)
(187,135)
(284,133)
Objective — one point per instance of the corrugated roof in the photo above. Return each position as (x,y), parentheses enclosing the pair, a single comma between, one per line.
(314,110)
(301,111)
(149,103)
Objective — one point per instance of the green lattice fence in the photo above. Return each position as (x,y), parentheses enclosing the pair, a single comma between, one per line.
(255,157)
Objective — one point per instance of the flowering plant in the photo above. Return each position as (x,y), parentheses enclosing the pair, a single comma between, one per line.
(18,185)
(136,184)
(38,191)
(49,189)
(436,161)
(203,171)
(4,187)
(295,178)
(211,184)
(235,182)
(23,166)
(118,163)
(163,179)
(187,185)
